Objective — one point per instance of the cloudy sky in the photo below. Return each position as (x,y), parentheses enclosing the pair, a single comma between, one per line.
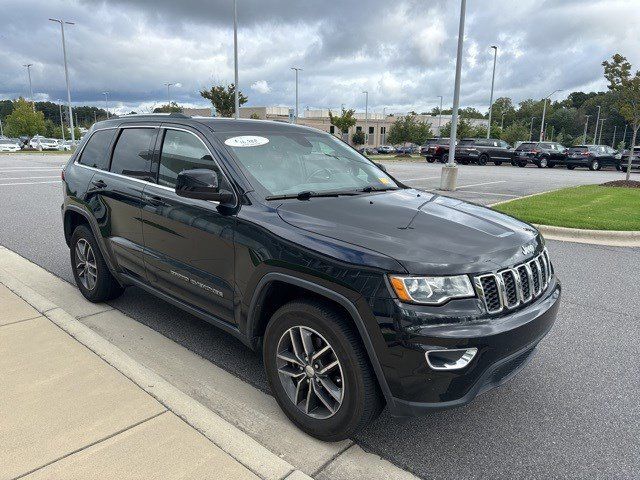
(401,51)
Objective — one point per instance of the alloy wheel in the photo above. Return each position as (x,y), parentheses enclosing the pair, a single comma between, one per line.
(310,372)
(86,266)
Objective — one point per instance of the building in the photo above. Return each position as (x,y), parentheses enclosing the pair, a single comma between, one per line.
(376,125)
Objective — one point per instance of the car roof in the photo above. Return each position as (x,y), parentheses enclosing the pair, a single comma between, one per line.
(217,124)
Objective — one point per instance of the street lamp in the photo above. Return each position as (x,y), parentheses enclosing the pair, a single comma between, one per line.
(235,58)
(615,130)
(493,79)
(106,103)
(600,132)
(168,92)
(29,65)
(66,74)
(586,124)
(366,117)
(531,129)
(544,113)
(296,69)
(595,134)
(440,116)
(61,121)
(502,122)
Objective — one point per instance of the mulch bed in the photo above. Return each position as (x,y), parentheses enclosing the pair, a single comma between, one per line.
(622,183)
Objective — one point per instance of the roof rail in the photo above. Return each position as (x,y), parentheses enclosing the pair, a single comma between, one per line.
(162,114)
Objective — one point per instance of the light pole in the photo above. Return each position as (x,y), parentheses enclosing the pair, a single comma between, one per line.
(61,122)
(615,130)
(586,124)
(29,65)
(366,117)
(450,170)
(502,122)
(235,59)
(296,69)
(600,132)
(440,116)
(169,85)
(544,113)
(531,129)
(1,131)
(493,79)
(106,103)
(595,134)
(66,74)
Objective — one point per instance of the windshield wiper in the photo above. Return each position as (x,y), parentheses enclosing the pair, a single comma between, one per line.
(307,194)
(371,188)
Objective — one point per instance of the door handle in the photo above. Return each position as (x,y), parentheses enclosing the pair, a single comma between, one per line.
(154,200)
(99,184)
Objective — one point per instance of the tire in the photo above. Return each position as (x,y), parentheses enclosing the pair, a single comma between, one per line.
(431,160)
(358,402)
(464,162)
(594,165)
(551,165)
(570,167)
(483,159)
(95,283)
(618,167)
(542,162)
(497,164)
(522,164)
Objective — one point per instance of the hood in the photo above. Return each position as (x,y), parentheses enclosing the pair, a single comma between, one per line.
(426,233)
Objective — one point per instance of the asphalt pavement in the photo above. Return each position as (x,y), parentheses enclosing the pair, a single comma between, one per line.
(571,413)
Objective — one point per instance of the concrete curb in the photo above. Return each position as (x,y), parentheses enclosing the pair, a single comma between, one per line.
(223,434)
(611,238)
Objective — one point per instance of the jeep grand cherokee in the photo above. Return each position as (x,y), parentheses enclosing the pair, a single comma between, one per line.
(359,291)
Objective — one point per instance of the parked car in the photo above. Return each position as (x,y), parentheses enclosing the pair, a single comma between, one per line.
(360,292)
(367,150)
(592,156)
(635,161)
(9,145)
(43,143)
(66,145)
(425,146)
(483,150)
(407,148)
(386,149)
(541,154)
(438,151)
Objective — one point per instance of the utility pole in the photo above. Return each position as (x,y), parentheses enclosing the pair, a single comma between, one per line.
(106,103)
(600,133)
(544,113)
(595,134)
(168,92)
(531,129)
(440,116)
(586,124)
(296,69)
(29,65)
(615,130)
(366,117)
(235,59)
(66,74)
(450,170)
(61,121)
(493,79)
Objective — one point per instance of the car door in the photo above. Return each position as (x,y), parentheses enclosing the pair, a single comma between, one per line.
(189,250)
(115,197)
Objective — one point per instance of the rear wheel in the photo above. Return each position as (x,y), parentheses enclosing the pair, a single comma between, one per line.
(89,268)
(522,164)
(431,160)
(319,371)
(483,159)
(594,165)
(542,162)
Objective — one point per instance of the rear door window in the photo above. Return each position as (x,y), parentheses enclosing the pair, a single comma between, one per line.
(96,152)
(133,152)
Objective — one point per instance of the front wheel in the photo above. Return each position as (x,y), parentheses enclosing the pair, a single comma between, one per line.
(319,371)
(522,164)
(542,163)
(431,160)
(483,159)
(594,165)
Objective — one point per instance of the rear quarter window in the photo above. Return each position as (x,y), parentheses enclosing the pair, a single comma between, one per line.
(96,152)
(133,153)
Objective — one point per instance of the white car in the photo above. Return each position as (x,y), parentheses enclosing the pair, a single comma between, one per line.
(66,146)
(44,143)
(9,146)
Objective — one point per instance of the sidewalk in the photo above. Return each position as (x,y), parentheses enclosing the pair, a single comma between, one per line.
(65,413)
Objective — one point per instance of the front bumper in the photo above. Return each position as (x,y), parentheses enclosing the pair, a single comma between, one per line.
(505,345)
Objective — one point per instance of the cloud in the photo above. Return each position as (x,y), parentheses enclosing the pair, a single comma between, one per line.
(402,52)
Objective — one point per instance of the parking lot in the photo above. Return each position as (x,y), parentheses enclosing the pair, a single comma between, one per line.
(572,413)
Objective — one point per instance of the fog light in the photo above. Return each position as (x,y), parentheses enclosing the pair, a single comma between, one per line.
(453,359)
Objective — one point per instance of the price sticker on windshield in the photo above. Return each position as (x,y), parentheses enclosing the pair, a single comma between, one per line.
(246,141)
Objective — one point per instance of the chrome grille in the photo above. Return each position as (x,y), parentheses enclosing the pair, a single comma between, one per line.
(512,287)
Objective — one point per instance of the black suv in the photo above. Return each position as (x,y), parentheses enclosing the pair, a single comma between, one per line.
(360,291)
(483,150)
(541,154)
(593,157)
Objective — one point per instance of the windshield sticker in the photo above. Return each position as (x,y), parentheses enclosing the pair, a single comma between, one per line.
(246,141)
(383,180)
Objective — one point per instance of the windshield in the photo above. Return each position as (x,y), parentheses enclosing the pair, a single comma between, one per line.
(287,163)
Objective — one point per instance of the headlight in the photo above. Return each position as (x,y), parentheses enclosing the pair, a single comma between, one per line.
(431,290)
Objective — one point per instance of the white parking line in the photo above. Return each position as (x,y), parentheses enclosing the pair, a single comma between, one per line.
(480,184)
(28,178)
(14,170)
(416,179)
(29,183)
(492,194)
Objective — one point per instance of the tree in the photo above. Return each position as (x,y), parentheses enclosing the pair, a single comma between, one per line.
(345,121)
(627,89)
(222,98)
(408,129)
(23,120)
(465,130)
(515,132)
(358,138)
(172,107)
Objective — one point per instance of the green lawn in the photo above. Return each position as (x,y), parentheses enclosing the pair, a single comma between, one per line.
(591,206)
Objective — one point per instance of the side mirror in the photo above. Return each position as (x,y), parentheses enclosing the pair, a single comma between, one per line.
(381,167)
(202,184)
